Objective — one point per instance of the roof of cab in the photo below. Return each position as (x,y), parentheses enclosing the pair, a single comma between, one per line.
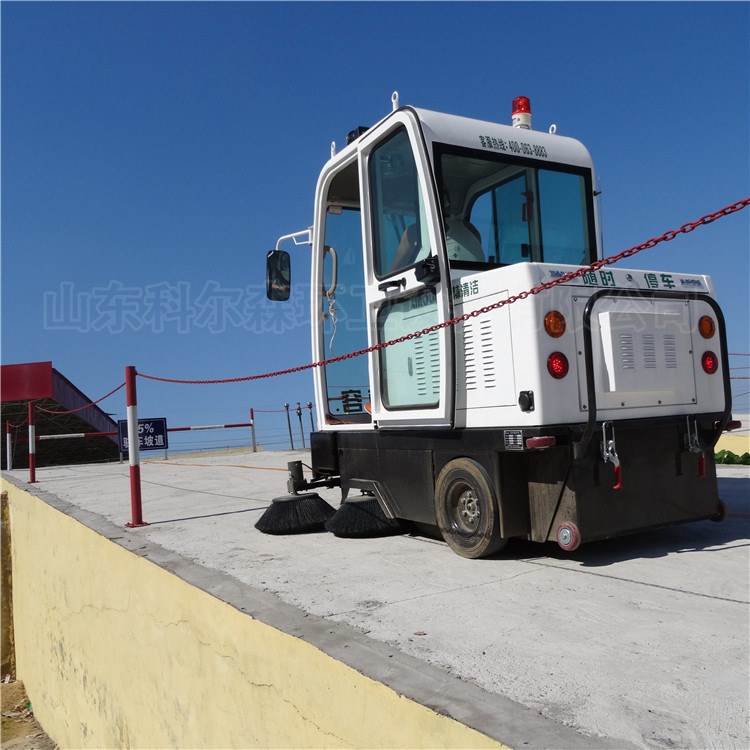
(502,139)
(455,130)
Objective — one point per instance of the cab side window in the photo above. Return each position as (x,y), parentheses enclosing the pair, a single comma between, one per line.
(400,235)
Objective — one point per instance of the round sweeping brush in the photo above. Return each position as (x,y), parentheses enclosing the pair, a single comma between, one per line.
(295,514)
(362,517)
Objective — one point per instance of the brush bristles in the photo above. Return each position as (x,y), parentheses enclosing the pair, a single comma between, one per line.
(295,514)
(362,518)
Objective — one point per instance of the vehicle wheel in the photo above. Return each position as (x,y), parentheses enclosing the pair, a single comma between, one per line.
(466,509)
(568,536)
(721,512)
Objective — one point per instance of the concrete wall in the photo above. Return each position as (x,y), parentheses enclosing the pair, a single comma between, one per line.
(115,651)
(7,649)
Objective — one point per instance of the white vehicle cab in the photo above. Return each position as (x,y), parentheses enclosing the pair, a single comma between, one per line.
(584,411)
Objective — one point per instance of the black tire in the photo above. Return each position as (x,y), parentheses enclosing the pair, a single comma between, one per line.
(722,512)
(466,509)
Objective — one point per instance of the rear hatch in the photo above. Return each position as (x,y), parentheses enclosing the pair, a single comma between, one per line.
(639,333)
(644,354)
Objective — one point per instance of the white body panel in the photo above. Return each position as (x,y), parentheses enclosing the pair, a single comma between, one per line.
(646,353)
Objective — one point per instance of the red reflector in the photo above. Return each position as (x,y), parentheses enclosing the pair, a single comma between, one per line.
(710,362)
(521,104)
(545,441)
(557,365)
(733,424)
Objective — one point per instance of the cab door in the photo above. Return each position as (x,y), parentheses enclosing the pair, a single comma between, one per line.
(408,281)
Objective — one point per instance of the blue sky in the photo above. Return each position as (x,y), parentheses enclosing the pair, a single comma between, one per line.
(161,148)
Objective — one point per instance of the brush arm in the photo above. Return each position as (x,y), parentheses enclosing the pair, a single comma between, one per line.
(297,482)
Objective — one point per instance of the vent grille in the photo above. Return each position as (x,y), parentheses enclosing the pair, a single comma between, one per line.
(427,364)
(470,360)
(670,351)
(648,343)
(488,354)
(627,351)
(648,351)
(479,355)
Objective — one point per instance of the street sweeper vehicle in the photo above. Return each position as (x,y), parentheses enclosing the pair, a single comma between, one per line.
(528,394)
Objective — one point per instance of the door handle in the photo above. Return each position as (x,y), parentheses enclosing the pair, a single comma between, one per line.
(397,283)
(334,270)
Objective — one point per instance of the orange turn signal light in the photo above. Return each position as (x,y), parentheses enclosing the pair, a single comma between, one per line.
(706,327)
(554,324)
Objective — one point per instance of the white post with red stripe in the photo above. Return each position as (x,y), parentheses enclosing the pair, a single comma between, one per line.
(209,427)
(8,446)
(131,400)
(32,445)
(74,435)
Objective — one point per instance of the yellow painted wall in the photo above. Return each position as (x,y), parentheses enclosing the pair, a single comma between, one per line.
(117,652)
(738,444)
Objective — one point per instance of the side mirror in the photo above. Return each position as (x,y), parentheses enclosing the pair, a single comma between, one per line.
(278,275)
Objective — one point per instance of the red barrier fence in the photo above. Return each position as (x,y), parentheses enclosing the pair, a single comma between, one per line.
(86,435)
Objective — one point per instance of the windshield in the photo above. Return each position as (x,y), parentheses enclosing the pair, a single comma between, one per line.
(499,210)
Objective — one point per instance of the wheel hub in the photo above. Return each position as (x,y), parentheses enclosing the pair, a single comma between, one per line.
(564,536)
(467,511)
(568,536)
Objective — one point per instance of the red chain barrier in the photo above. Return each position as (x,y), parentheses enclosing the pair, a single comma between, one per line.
(595,266)
(80,408)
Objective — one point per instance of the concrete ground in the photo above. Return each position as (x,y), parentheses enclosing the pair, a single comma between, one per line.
(640,641)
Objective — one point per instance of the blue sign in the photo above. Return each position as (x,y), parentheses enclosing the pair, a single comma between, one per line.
(152,434)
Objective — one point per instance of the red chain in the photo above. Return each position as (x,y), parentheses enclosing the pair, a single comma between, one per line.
(595,266)
(80,408)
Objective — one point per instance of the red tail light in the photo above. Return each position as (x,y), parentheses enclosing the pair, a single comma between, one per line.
(557,365)
(710,362)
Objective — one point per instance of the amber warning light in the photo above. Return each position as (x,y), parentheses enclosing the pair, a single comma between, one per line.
(521,113)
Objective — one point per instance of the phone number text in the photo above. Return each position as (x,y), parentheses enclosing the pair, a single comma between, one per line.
(514,147)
